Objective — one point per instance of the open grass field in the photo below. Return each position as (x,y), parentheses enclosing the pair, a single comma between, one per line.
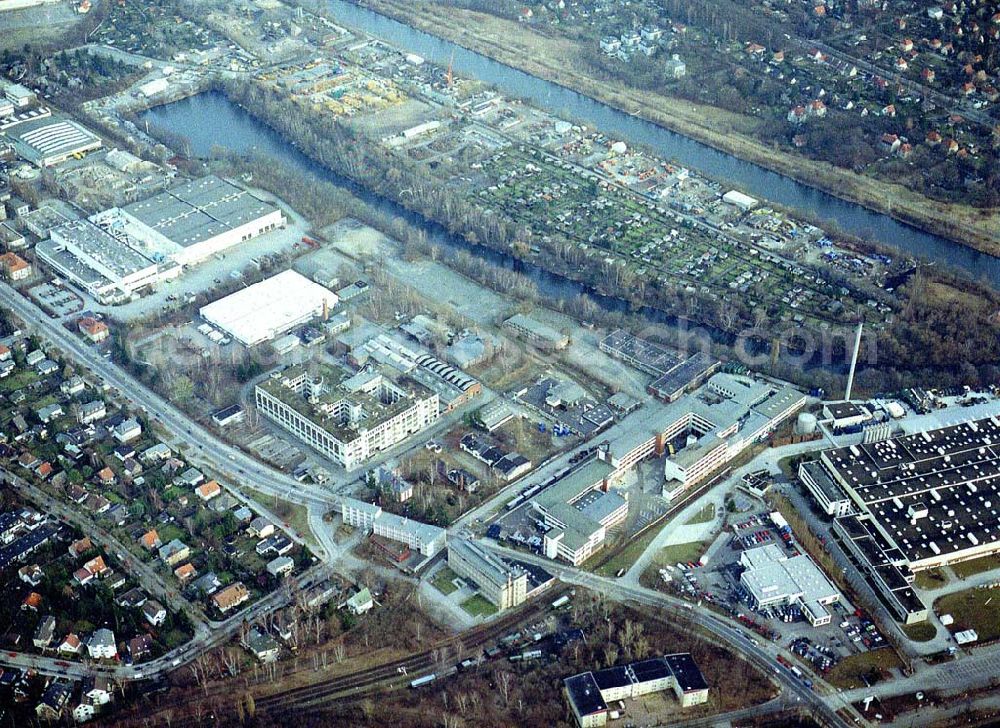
(856,670)
(920,632)
(930,579)
(478,606)
(977,609)
(624,558)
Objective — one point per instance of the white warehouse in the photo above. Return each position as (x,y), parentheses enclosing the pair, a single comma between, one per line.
(266,310)
(195,220)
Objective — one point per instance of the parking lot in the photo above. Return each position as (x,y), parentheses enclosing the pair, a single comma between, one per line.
(57,299)
(717,583)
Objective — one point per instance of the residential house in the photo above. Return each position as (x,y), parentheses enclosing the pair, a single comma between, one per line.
(261,645)
(150,540)
(140,646)
(96,331)
(360,602)
(32,602)
(101,644)
(208,491)
(70,644)
(185,573)
(231,597)
(44,632)
(54,700)
(174,552)
(31,575)
(93,411)
(154,612)
(14,267)
(80,547)
(49,412)
(260,527)
(97,688)
(280,566)
(127,430)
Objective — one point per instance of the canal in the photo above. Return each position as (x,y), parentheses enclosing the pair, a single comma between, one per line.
(850,217)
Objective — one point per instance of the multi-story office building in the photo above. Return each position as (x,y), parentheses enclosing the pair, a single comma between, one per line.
(349,420)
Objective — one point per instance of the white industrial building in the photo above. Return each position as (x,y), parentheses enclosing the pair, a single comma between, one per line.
(195,220)
(770,578)
(266,310)
(738,199)
(50,140)
(100,264)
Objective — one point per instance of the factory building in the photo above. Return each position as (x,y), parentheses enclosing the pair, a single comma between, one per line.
(99,263)
(195,220)
(50,140)
(503,585)
(267,309)
(347,420)
(917,501)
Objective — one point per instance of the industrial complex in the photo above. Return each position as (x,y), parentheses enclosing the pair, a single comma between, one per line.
(117,254)
(194,220)
(47,140)
(912,502)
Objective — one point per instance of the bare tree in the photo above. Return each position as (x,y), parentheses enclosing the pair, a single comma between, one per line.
(504,681)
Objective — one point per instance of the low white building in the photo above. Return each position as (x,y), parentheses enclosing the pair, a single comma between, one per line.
(265,310)
(770,578)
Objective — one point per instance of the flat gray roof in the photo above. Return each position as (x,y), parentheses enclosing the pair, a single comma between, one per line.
(198,210)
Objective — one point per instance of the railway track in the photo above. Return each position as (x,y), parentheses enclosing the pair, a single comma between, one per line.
(403,670)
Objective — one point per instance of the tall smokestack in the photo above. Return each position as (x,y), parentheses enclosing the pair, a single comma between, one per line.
(326,310)
(854,362)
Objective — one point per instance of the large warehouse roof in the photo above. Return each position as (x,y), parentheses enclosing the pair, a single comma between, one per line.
(264,310)
(198,210)
(49,140)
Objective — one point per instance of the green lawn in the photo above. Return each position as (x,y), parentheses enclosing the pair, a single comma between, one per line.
(848,673)
(681,553)
(920,632)
(705,515)
(478,606)
(966,569)
(977,609)
(442,581)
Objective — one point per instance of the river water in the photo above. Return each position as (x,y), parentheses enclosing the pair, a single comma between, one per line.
(755,180)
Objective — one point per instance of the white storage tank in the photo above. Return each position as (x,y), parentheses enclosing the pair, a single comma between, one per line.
(806,424)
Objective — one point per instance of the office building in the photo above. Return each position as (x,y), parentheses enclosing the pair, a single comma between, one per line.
(346,426)
(422,537)
(589,693)
(502,584)
(771,577)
